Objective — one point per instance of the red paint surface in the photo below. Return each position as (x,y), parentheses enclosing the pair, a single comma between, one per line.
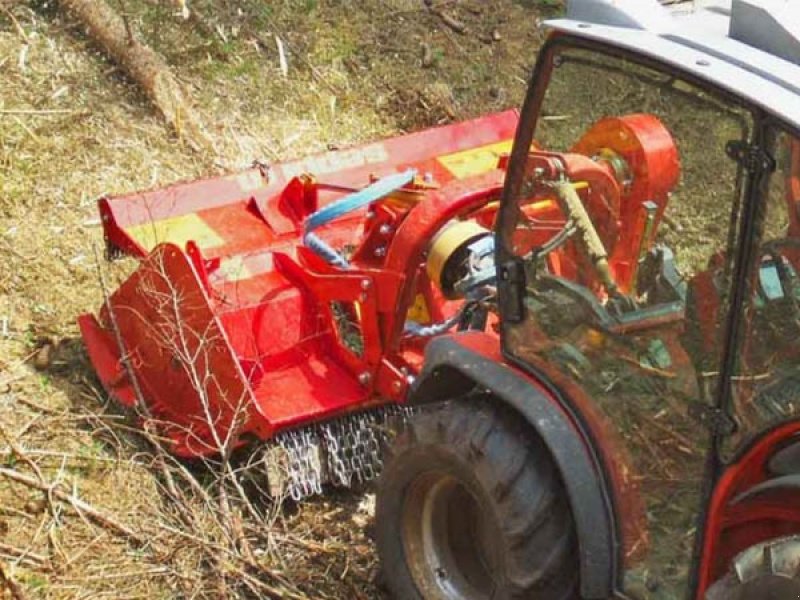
(733,527)
(273,358)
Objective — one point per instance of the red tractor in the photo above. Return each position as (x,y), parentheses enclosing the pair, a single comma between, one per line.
(572,358)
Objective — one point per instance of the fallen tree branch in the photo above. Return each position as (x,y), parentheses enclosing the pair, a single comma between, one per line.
(22,455)
(26,557)
(8,582)
(40,111)
(450,21)
(5,8)
(115,36)
(79,506)
(243,563)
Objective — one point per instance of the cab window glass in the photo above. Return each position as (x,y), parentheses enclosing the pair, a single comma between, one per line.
(626,214)
(766,383)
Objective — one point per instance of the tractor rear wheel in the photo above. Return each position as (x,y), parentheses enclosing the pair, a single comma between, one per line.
(767,571)
(471,506)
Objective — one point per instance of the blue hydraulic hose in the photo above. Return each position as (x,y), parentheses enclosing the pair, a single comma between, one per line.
(321,248)
(381,188)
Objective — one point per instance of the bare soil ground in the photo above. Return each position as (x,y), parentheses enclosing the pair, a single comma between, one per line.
(73,127)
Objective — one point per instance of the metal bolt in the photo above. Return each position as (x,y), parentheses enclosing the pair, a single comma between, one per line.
(370,214)
(428,177)
(364,378)
(385,229)
(380,251)
(365,284)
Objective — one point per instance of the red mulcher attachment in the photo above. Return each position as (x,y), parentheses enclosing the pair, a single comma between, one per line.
(233,326)
(295,309)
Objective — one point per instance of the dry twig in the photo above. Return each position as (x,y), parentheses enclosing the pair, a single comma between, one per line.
(79,506)
(8,582)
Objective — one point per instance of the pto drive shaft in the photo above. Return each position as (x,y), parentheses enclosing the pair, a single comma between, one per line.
(591,244)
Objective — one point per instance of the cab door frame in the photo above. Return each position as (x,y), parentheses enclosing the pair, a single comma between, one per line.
(511,285)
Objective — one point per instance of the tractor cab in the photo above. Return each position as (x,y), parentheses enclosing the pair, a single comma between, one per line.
(649,251)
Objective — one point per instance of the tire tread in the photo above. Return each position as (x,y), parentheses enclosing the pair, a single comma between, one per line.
(517,474)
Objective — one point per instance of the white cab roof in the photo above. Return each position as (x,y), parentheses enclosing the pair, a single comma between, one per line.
(749,47)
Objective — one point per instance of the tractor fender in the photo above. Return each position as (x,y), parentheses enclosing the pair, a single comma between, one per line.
(452,369)
(778,485)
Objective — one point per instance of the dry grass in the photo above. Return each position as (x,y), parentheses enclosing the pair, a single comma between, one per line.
(72,127)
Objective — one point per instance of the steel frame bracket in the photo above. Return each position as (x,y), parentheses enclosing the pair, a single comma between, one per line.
(750,156)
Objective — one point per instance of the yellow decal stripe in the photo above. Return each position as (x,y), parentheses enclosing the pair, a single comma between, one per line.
(476,160)
(177,230)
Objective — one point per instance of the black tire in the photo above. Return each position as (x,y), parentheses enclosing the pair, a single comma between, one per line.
(767,571)
(470,506)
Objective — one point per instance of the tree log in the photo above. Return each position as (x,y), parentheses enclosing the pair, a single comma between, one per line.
(115,36)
